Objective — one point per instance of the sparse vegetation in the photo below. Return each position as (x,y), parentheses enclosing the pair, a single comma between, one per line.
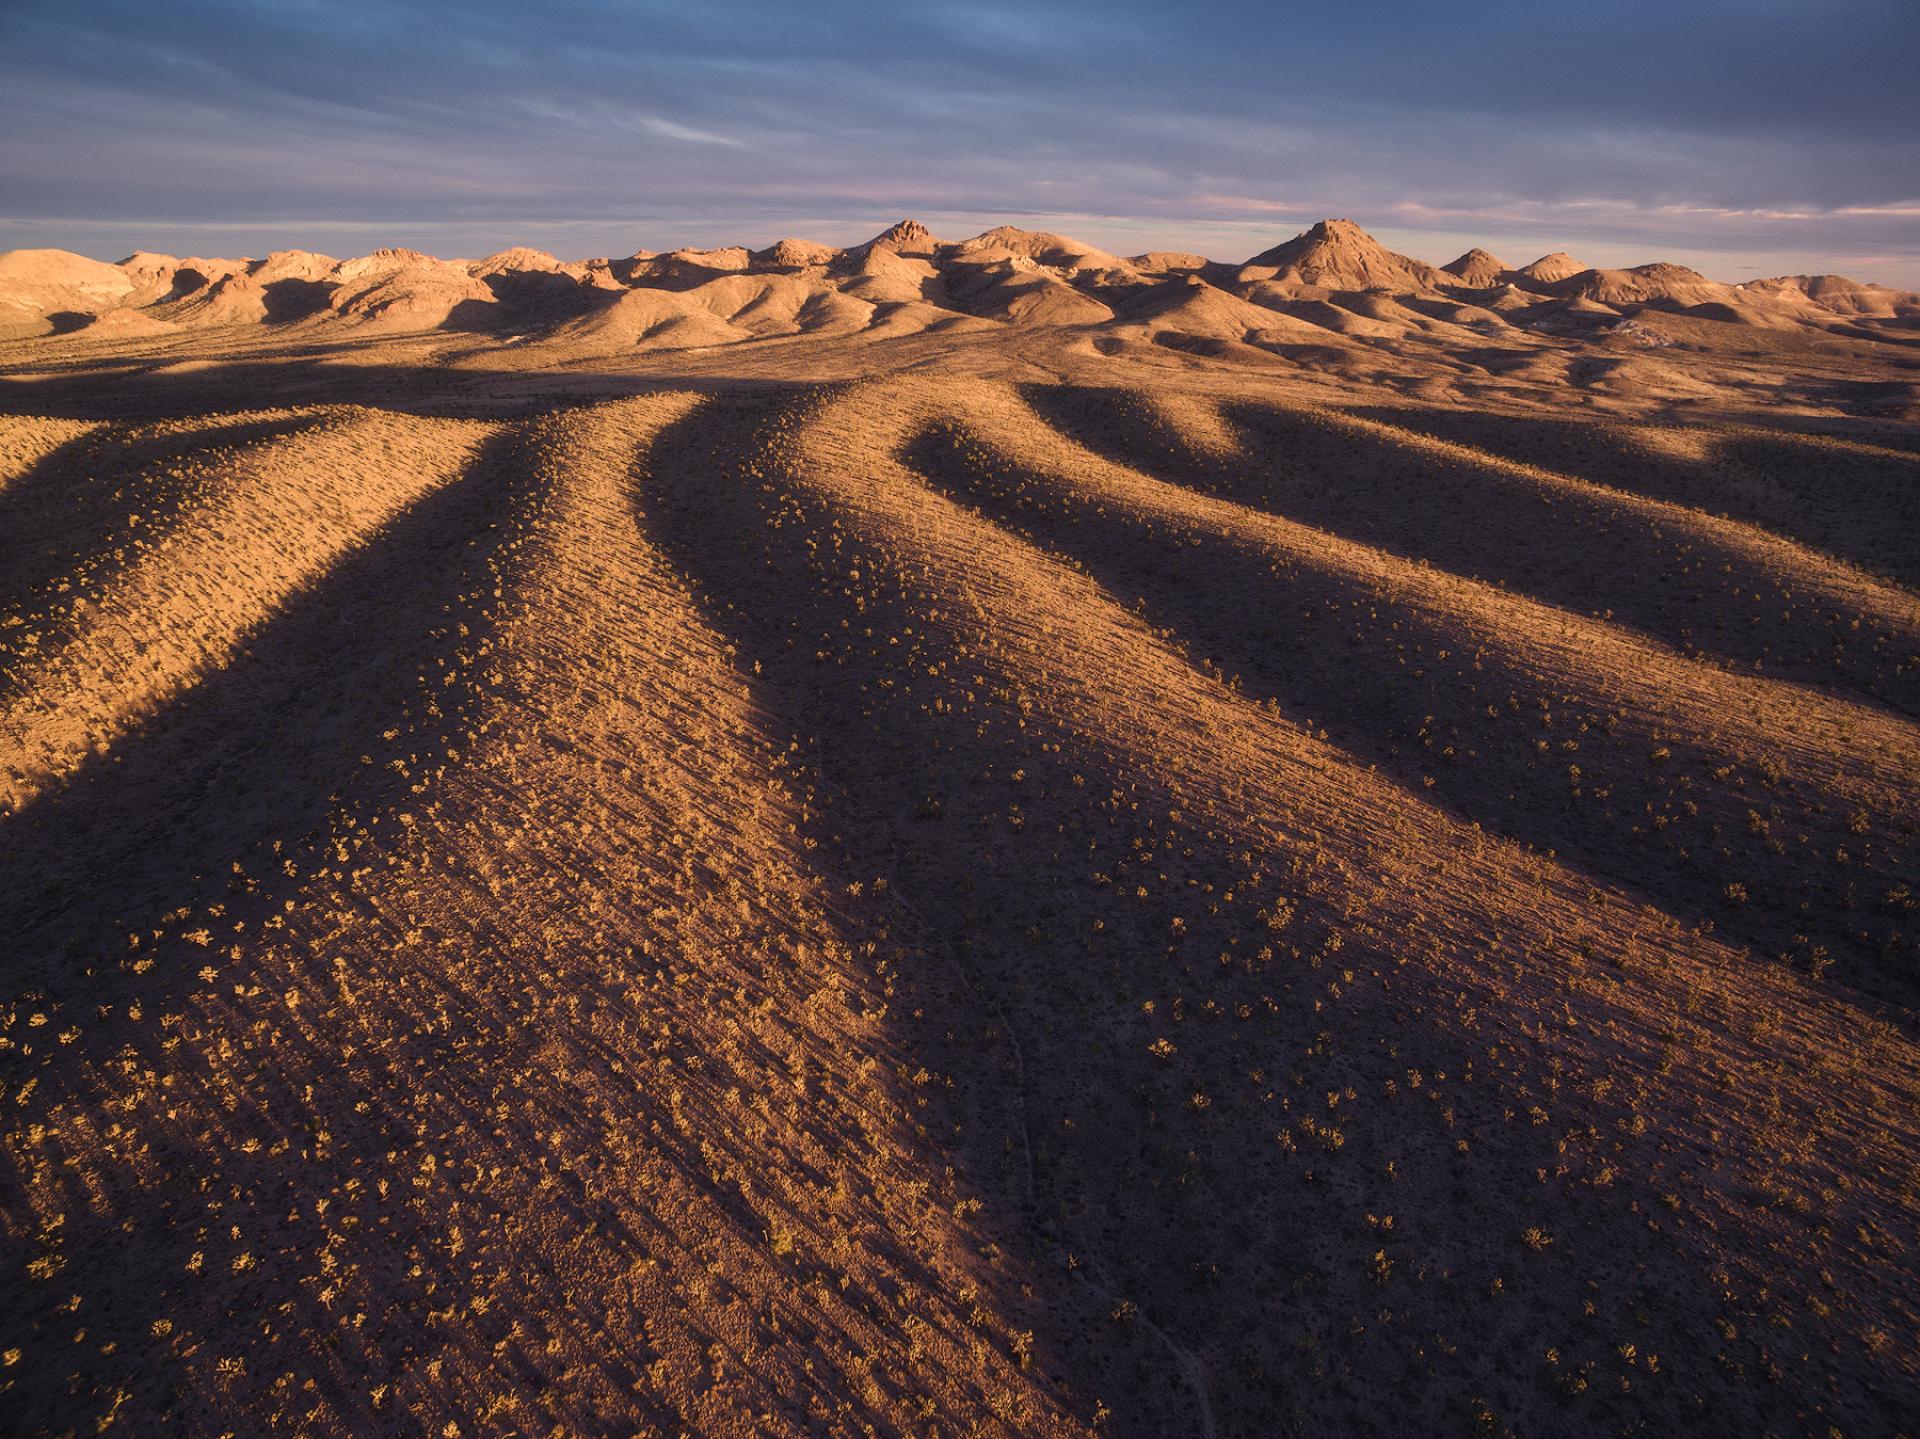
(911,904)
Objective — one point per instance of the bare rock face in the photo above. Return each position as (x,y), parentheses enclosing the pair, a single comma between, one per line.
(907,232)
(906,237)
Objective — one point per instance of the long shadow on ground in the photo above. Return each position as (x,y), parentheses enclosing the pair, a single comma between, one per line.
(1861,505)
(1263,1190)
(1476,731)
(1581,553)
(152,389)
(68,514)
(123,893)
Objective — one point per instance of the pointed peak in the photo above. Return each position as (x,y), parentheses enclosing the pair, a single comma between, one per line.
(1339,255)
(908,237)
(905,232)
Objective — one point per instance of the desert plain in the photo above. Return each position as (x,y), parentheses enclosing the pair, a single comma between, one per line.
(942,839)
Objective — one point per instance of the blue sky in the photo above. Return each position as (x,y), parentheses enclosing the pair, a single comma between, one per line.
(1741,136)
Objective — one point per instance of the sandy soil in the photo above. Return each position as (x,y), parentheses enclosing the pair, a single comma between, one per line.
(957,839)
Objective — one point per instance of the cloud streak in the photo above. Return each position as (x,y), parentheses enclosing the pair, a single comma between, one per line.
(1763,128)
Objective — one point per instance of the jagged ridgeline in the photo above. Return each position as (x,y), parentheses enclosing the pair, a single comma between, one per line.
(1331,299)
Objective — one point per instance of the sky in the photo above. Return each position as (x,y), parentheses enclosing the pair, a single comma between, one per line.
(1743,137)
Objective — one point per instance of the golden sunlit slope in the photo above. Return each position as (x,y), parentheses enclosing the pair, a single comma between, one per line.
(949,839)
(1332,299)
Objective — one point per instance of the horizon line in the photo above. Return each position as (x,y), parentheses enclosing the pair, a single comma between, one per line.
(410,235)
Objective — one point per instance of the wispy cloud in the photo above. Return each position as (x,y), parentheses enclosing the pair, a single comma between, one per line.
(653,124)
(1747,130)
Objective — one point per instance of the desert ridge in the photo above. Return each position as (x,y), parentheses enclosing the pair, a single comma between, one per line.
(901,280)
